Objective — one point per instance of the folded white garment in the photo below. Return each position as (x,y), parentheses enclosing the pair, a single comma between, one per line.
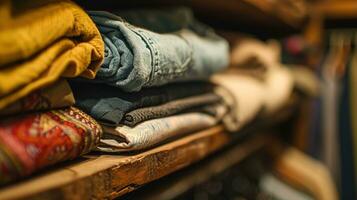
(245,96)
(279,85)
(149,133)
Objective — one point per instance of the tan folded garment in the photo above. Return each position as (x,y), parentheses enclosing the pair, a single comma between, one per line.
(278,88)
(305,80)
(244,94)
(249,52)
(152,132)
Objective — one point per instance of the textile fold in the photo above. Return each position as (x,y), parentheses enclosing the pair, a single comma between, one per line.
(136,57)
(31,142)
(31,58)
(109,104)
(155,131)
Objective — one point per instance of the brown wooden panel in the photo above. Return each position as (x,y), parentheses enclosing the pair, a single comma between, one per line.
(110,176)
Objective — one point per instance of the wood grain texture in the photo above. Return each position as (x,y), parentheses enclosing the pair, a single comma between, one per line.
(262,12)
(177,184)
(247,15)
(341,9)
(99,176)
(110,176)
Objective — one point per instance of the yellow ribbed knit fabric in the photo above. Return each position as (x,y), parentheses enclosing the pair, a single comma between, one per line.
(40,44)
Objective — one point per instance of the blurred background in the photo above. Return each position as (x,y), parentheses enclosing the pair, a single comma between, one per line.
(301,145)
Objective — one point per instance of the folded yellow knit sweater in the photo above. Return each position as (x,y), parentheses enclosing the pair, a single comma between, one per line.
(40,44)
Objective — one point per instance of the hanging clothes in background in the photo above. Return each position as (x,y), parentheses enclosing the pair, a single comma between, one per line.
(348,178)
(352,102)
(331,118)
(344,121)
(333,133)
(330,105)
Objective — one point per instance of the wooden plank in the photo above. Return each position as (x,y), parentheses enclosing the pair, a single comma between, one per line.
(245,15)
(337,9)
(180,182)
(110,176)
(98,176)
(264,12)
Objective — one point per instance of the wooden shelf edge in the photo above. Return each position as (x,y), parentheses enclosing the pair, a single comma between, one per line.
(271,13)
(99,176)
(173,186)
(110,176)
(270,9)
(337,9)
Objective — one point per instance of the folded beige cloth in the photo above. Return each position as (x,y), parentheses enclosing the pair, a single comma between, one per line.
(278,88)
(247,51)
(305,80)
(245,96)
(149,133)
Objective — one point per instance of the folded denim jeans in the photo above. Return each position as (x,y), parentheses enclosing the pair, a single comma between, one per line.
(108,104)
(173,107)
(137,58)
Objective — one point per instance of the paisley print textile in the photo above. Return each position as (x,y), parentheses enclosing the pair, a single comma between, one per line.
(31,142)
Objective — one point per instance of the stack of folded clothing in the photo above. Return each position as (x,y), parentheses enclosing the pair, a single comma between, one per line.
(142,86)
(255,83)
(145,76)
(154,83)
(41,44)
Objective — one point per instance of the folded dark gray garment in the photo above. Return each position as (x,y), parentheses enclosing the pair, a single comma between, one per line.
(136,58)
(108,104)
(155,131)
(173,107)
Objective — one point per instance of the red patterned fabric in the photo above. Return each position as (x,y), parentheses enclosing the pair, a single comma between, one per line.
(33,141)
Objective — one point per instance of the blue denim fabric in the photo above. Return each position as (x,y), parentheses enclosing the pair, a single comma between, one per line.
(108,104)
(136,57)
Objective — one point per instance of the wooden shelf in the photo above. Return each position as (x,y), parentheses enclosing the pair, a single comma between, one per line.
(263,17)
(99,176)
(182,181)
(110,176)
(253,13)
(342,9)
